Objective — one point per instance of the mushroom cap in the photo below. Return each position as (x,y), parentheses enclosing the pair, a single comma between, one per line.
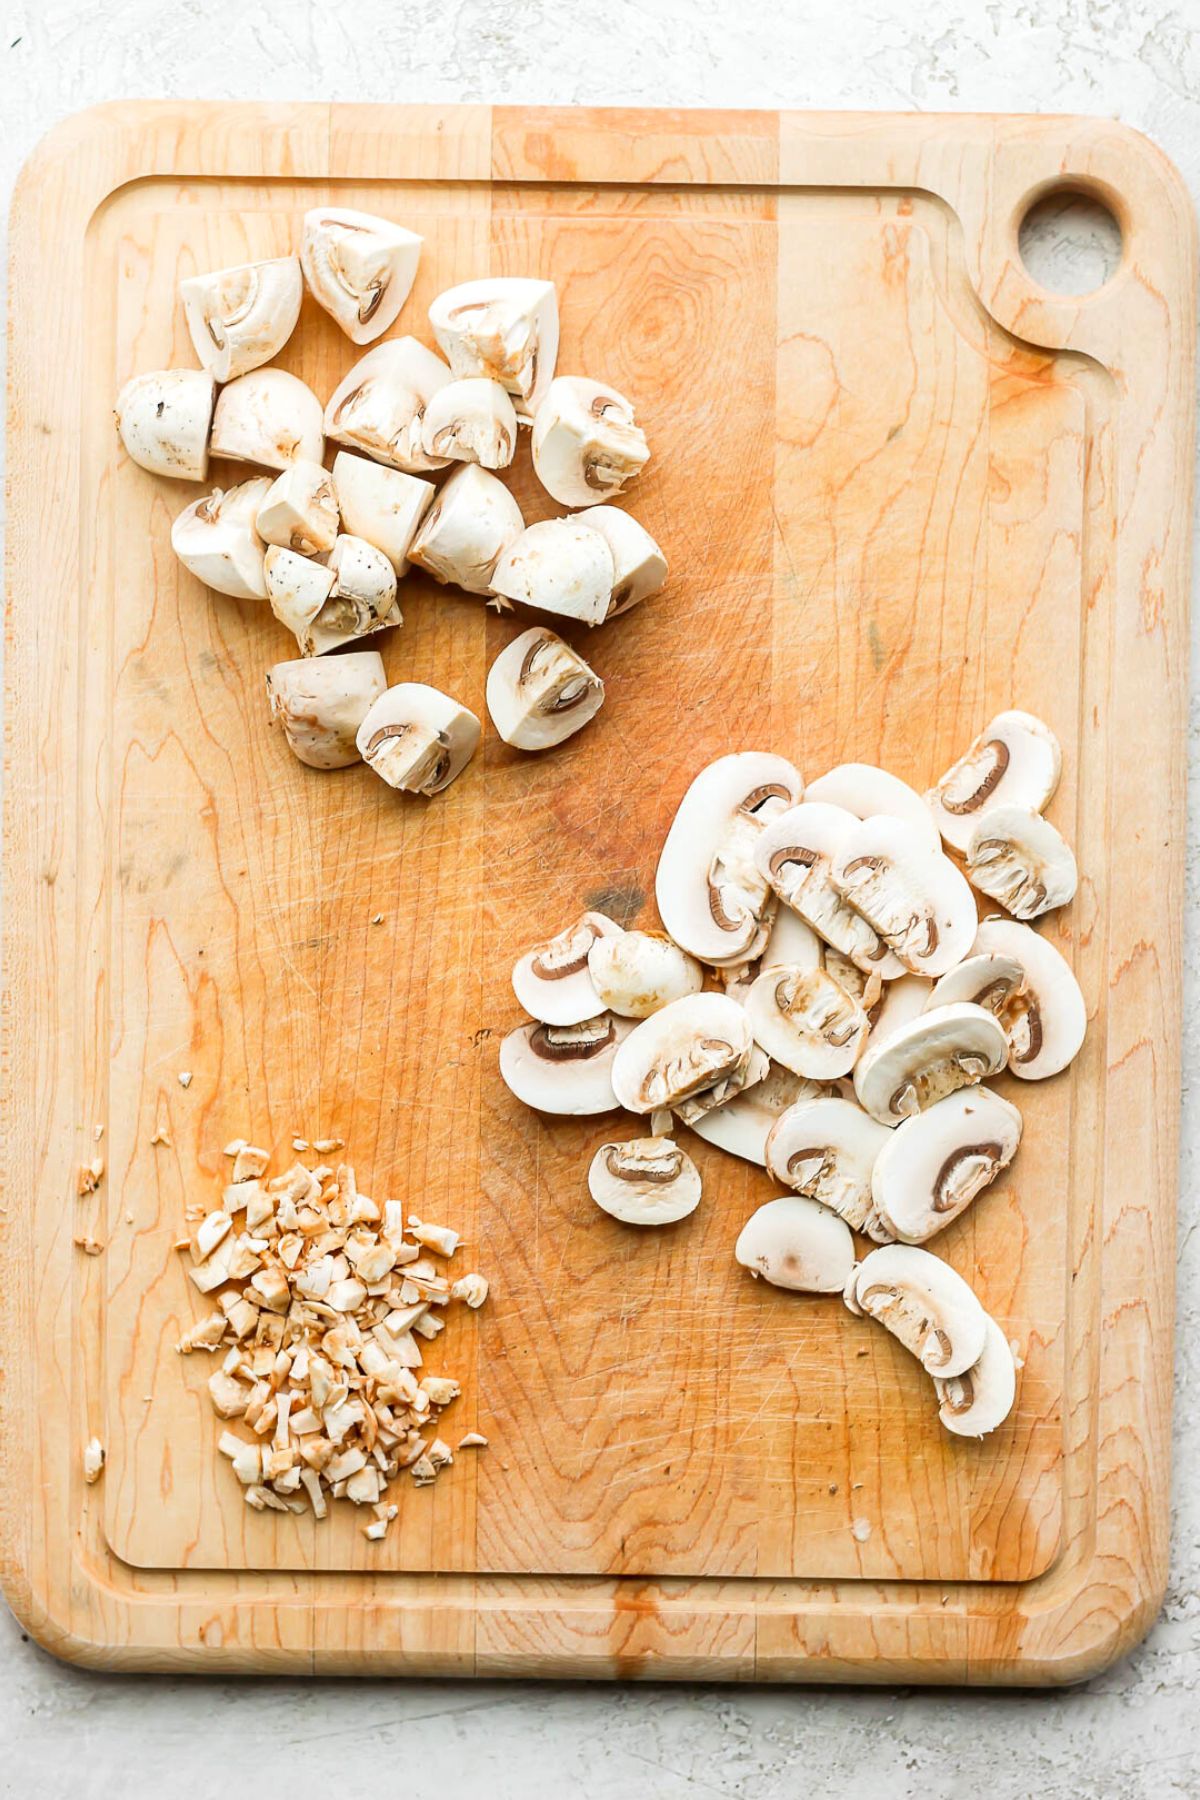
(990,979)
(637,973)
(239,318)
(711,896)
(322,703)
(300,512)
(471,420)
(807,1021)
(935,1163)
(1018,858)
(558,567)
(297,588)
(359,268)
(865,791)
(741,1126)
(975,1402)
(1047,1020)
(417,738)
(470,525)
(564,1069)
(923,1303)
(553,980)
(1015,758)
(946,1048)
(268,417)
(686,1047)
(648,1181)
(585,443)
(384,506)
(825,1148)
(795,1243)
(215,537)
(639,566)
(505,327)
(378,406)
(795,855)
(901,1000)
(911,894)
(164,419)
(540,691)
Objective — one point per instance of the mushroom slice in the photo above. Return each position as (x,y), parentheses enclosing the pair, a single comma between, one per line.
(418,739)
(1016,759)
(565,1069)
(639,566)
(911,894)
(540,692)
(466,531)
(933,1165)
(975,1402)
(741,1126)
(216,539)
(648,1181)
(807,1021)
(794,1243)
(164,421)
(795,855)
(1018,858)
(240,318)
(471,421)
(379,406)
(321,705)
(637,973)
(585,443)
(359,268)
(923,1303)
(558,567)
(553,981)
(990,980)
(866,791)
(300,512)
(688,1046)
(712,897)
(740,1080)
(297,588)
(946,1048)
(826,1149)
(268,417)
(901,1000)
(1046,1019)
(504,327)
(384,506)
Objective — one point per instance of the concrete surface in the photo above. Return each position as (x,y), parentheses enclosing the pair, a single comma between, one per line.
(1135,1732)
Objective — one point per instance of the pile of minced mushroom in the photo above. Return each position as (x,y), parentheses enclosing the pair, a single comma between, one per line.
(328,549)
(826,1001)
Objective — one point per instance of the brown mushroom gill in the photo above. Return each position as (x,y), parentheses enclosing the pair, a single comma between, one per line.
(986,785)
(572,1043)
(701,1066)
(907,1320)
(550,963)
(964,1174)
(1022,1019)
(659,1171)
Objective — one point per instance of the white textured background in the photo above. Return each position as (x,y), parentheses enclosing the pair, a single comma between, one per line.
(1136,1731)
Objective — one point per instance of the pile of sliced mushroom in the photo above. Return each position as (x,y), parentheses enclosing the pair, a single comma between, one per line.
(826,1001)
(329,549)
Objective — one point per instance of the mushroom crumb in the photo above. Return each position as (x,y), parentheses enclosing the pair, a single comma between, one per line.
(93,1460)
(185,1078)
(90,1175)
(89,1245)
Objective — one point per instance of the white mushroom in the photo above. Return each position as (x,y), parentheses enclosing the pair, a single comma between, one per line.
(934,1164)
(794,1243)
(826,1149)
(359,268)
(1018,858)
(585,443)
(540,691)
(379,406)
(268,417)
(795,855)
(333,603)
(300,512)
(1046,1019)
(164,420)
(742,1126)
(297,588)
(639,566)
(558,567)
(564,1069)
(466,531)
(471,421)
(1016,758)
(240,318)
(384,506)
(975,1402)
(739,1080)
(865,791)
(418,739)
(900,1001)
(923,1303)
(688,1046)
(553,981)
(990,979)
(364,574)
(648,1181)
(806,1021)
(505,327)
(946,1048)
(322,703)
(639,972)
(216,539)
(912,895)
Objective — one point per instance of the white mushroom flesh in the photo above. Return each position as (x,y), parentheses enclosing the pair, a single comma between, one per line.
(240,318)
(1046,1020)
(553,981)
(268,417)
(504,327)
(639,566)
(924,1304)
(378,408)
(1018,858)
(795,1243)
(558,567)
(989,980)
(935,1164)
(540,691)
(795,855)
(825,1148)
(901,1000)
(911,894)
(1016,758)
(742,1126)
(216,539)
(585,443)
(384,506)
(466,531)
(807,1021)
(418,739)
(647,1181)
(865,791)
(688,1046)
(300,512)
(946,1048)
(977,1401)
(638,973)
(564,1069)
(321,704)
(471,421)
(164,420)
(359,268)
(297,588)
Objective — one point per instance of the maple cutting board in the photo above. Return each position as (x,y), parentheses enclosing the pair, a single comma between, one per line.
(900,487)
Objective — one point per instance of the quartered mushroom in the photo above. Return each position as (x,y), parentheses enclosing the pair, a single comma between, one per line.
(712,897)
(297,588)
(688,1046)
(216,538)
(637,973)
(989,979)
(300,512)
(1018,858)
(585,443)
(350,596)
(558,567)
(553,981)
(946,1048)
(1016,758)
(911,894)
(471,421)
(564,1069)
(795,855)
(378,408)
(794,1243)
(321,704)
(865,791)
(1046,1018)
(164,420)
(639,566)
(418,739)
(743,1125)
(382,505)
(359,268)
(240,318)
(505,327)
(268,417)
(807,1021)
(934,1164)
(647,1181)
(825,1148)
(466,531)
(975,1402)
(540,691)
(923,1303)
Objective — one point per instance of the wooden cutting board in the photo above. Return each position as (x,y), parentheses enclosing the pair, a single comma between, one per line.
(900,487)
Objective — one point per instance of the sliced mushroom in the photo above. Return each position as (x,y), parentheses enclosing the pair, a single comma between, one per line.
(505,327)
(268,417)
(466,531)
(240,318)
(826,1149)
(300,512)
(1018,858)
(384,506)
(558,567)
(742,1125)
(379,406)
(807,1021)
(321,705)
(866,988)
(866,791)
(639,566)
(712,897)
(794,1243)
(988,980)
(540,692)
(564,1069)
(900,1001)
(648,1181)
(740,1080)
(1016,759)
(911,894)
(923,1303)
(934,1164)
(297,588)
(795,855)
(637,973)
(689,1045)
(946,1048)
(216,539)
(359,268)
(1046,1019)
(471,421)
(553,981)
(418,739)
(164,420)
(974,1403)
(585,443)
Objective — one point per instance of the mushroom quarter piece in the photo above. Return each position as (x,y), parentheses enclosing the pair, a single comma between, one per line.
(164,420)
(321,704)
(378,407)
(268,417)
(795,854)
(946,1048)
(1046,1019)
(418,739)
(864,790)
(636,973)
(912,895)
(240,318)
(359,268)
(1016,759)
(1018,858)
(297,588)
(807,1021)
(980,1399)
(585,443)
(540,692)
(688,1046)
(648,1181)
(794,1243)
(504,327)
(639,566)
(935,1164)
(564,1069)
(383,506)
(826,1149)
(217,539)
(553,981)
(558,567)
(471,421)
(466,531)
(922,1302)
(300,512)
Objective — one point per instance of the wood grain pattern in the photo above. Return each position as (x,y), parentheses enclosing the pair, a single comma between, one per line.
(900,487)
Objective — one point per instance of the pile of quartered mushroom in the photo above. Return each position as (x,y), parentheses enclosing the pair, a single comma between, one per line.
(327,548)
(862,1006)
